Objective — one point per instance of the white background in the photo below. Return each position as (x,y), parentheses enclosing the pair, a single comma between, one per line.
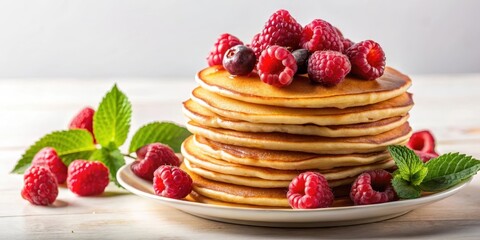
(112,38)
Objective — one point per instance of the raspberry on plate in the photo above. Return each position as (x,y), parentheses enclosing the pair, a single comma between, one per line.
(152,156)
(87,178)
(372,187)
(328,67)
(367,59)
(172,182)
(223,43)
(276,66)
(320,35)
(309,190)
(281,29)
(422,141)
(40,186)
(48,157)
(84,120)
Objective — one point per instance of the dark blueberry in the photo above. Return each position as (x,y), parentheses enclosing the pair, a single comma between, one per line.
(239,60)
(301,56)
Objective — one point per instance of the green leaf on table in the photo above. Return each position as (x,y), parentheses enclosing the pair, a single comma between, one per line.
(112,158)
(111,121)
(70,145)
(448,170)
(161,132)
(404,189)
(410,167)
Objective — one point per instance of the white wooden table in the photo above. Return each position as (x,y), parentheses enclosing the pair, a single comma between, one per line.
(448,105)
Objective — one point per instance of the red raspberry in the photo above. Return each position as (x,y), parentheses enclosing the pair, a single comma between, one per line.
(281,29)
(309,190)
(422,141)
(320,35)
(424,156)
(152,156)
(48,157)
(328,67)
(340,34)
(84,120)
(87,178)
(372,187)
(40,186)
(347,43)
(367,59)
(223,43)
(171,182)
(276,66)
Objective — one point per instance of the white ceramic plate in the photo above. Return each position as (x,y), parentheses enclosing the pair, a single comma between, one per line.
(326,217)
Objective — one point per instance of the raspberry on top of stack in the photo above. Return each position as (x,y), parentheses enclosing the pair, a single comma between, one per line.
(292,119)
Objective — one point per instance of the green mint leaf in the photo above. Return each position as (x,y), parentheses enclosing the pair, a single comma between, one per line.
(404,189)
(162,132)
(70,145)
(111,122)
(448,170)
(112,158)
(410,167)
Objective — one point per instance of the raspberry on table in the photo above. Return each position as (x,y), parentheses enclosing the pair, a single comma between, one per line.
(40,186)
(152,156)
(172,182)
(367,59)
(84,120)
(422,141)
(281,29)
(320,35)
(328,67)
(87,178)
(372,187)
(276,66)
(309,190)
(223,43)
(48,157)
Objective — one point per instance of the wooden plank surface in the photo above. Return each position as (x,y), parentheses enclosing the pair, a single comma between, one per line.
(448,105)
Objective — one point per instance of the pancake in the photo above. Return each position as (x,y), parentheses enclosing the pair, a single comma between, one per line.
(341,201)
(304,143)
(196,157)
(256,113)
(274,197)
(285,160)
(302,93)
(200,114)
(196,197)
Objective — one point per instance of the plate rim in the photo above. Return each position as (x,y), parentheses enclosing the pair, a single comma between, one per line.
(399,203)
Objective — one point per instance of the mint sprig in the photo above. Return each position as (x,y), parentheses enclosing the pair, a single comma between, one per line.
(413,176)
(111,124)
(410,167)
(70,145)
(449,170)
(161,132)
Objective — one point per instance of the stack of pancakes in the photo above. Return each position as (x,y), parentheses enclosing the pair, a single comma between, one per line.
(251,139)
